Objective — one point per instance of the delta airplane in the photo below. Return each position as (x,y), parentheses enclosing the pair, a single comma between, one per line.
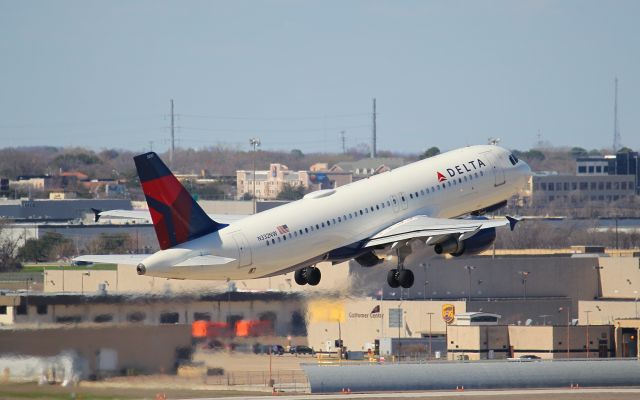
(439,201)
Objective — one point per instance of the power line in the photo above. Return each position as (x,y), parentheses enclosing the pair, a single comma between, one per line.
(248,118)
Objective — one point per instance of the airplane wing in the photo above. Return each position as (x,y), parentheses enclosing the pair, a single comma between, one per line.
(135,259)
(144,214)
(434,229)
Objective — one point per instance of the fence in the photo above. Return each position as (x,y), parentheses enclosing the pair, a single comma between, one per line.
(283,380)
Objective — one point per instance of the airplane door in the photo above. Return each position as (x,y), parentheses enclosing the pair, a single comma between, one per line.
(498,170)
(404,203)
(244,251)
(395,203)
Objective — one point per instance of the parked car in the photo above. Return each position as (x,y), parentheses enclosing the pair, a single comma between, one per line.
(301,350)
(529,357)
(276,349)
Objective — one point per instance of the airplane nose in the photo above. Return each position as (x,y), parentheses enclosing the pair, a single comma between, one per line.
(141,269)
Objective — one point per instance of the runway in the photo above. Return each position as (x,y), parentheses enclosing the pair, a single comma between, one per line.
(533,394)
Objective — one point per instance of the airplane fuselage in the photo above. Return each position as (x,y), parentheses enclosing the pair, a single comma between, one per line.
(303,232)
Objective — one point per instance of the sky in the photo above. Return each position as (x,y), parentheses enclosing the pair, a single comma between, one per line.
(296,74)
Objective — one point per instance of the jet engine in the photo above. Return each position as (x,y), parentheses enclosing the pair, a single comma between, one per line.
(474,245)
(368,259)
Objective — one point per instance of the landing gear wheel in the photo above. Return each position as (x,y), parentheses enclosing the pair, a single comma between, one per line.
(405,278)
(392,278)
(299,277)
(312,275)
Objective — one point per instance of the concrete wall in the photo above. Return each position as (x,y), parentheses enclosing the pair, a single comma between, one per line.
(576,278)
(126,280)
(146,349)
(620,277)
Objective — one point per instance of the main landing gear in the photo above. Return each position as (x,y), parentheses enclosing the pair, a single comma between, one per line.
(401,276)
(310,275)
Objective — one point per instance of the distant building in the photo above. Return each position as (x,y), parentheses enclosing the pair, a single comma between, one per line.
(368,166)
(579,189)
(269,184)
(626,163)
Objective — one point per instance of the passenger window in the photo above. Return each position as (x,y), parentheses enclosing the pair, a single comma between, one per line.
(289,235)
(372,209)
(306,230)
(317,226)
(295,233)
(267,242)
(481,173)
(403,199)
(416,194)
(339,219)
(465,178)
(394,201)
(433,189)
(322,225)
(279,239)
(388,203)
(273,241)
(361,212)
(301,231)
(284,237)
(411,195)
(422,192)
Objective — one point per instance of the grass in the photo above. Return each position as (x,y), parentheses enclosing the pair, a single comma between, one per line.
(18,391)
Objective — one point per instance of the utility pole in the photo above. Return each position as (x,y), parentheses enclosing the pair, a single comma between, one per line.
(342,139)
(616,127)
(469,269)
(173,138)
(255,142)
(373,141)
(430,315)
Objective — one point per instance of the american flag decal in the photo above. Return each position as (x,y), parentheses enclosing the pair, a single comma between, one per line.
(282,229)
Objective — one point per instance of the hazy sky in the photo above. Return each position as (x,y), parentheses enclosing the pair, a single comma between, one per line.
(297,73)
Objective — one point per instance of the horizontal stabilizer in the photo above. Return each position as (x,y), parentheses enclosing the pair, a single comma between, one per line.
(126,259)
(144,214)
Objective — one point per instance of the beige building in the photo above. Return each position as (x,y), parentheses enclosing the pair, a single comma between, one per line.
(269,184)
(513,341)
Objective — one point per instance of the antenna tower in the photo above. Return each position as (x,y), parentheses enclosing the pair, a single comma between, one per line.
(616,127)
(373,141)
(173,138)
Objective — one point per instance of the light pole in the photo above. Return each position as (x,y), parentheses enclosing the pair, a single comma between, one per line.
(430,314)
(469,269)
(568,331)
(524,275)
(587,312)
(255,142)
(82,280)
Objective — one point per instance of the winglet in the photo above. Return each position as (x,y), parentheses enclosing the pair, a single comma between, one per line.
(96,213)
(512,221)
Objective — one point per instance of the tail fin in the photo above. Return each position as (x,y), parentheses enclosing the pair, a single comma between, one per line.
(177,218)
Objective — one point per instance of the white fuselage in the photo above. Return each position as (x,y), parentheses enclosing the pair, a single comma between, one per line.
(293,234)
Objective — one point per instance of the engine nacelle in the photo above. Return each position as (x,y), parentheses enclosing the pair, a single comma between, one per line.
(474,245)
(368,259)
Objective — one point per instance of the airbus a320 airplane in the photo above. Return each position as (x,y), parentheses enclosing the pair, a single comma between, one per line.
(364,220)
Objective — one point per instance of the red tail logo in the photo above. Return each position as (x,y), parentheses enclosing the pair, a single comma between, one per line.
(441,177)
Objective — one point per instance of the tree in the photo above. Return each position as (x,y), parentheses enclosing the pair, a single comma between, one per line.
(8,250)
(430,152)
(577,152)
(625,150)
(42,249)
(111,243)
(290,192)
(297,154)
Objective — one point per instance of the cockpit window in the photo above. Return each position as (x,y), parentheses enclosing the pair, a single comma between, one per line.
(513,159)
